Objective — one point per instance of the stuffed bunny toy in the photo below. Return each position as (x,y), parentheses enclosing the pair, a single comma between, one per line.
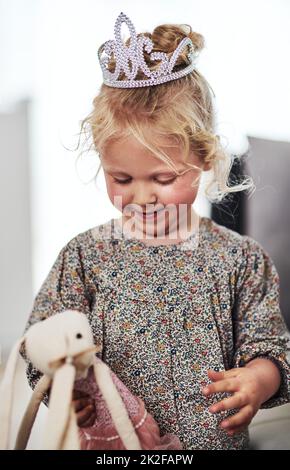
(62,348)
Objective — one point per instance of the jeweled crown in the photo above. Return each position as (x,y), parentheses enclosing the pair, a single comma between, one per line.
(134,53)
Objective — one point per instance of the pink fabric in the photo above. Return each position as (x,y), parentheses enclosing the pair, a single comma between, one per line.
(103,435)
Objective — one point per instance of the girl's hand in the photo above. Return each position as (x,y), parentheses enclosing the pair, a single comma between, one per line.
(247,396)
(85,409)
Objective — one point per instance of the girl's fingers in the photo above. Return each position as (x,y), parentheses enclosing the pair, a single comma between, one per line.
(82,403)
(85,414)
(227,385)
(242,418)
(222,374)
(89,422)
(236,401)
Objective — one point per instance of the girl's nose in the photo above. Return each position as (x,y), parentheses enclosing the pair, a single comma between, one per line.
(142,195)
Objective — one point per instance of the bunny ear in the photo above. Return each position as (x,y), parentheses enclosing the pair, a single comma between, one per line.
(71,440)
(116,406)
(6,395)
(59,413)
(31,412)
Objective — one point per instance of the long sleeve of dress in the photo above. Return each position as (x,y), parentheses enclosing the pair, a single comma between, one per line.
(259,328)
(63,288)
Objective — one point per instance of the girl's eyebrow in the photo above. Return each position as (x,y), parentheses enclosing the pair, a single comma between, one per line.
(160,172)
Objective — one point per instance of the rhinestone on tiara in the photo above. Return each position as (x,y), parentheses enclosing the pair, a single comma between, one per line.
(134,53)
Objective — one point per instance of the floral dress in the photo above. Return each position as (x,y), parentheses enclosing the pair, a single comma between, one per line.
(164,315)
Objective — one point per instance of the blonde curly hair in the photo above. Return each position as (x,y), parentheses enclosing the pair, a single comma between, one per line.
(181,109)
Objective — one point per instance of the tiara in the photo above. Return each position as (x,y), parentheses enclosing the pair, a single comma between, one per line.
(135,54)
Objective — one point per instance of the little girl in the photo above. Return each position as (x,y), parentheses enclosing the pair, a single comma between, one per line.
(186,310)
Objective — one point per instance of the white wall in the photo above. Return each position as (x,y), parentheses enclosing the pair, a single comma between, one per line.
(48,53)
(15,225)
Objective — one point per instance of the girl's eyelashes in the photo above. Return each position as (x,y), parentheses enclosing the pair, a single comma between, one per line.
(121,181)
(159,182)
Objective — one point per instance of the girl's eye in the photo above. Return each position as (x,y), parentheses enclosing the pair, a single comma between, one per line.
(121,181)
(167,182)
(128,181)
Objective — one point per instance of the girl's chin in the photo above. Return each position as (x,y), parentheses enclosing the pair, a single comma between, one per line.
(150,228)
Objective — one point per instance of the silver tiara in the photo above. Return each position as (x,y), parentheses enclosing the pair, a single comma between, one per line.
(135,54)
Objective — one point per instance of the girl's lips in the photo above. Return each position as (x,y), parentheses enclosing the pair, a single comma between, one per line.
(151,215)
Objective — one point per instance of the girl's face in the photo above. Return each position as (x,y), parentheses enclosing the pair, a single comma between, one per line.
(138,180)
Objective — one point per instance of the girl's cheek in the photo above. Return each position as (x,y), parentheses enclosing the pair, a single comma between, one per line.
(118,197)
(178,194)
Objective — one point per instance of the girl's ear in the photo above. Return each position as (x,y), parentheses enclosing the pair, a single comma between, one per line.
(6,394)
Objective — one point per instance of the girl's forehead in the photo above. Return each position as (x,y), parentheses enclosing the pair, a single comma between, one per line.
(135,165)
(130,143)
(131,153)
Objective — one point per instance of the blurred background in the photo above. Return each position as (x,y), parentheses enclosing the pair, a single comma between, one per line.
(49,75)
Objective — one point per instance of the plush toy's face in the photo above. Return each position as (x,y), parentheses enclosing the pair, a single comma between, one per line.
(50,343)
